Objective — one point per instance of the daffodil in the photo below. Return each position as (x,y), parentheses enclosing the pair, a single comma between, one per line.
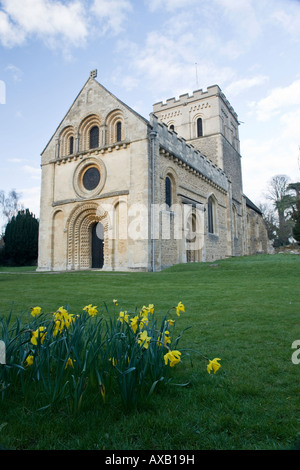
(62,319)
(35,311)
(113,361)
(144,340)
(167,339)
(69,363)
(172,357)
(151,308)
(179,308)
(124,317)
(144,312)
(115,302)
(92,311)
(134,323)
(171,322)
(143,322)
(29,360)
(40,334)
(213,365)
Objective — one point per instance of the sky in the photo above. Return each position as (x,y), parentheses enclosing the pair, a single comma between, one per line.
(146,52)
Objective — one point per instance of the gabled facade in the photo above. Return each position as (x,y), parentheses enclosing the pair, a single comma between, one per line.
(120,192)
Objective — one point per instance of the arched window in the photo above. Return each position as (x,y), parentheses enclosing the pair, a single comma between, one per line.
(172,127)
(71,145)
(168,184)
(94,137)
(199,127)
(119,131)
(210,215)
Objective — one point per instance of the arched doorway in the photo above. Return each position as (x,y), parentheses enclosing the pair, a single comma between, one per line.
(97,246)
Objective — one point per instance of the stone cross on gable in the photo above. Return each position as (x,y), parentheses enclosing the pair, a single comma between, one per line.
(93,73)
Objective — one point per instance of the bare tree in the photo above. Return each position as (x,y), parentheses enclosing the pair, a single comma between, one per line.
(279,194)
(10,205)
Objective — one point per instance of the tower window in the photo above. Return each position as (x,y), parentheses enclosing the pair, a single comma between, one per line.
(94,137)
(172,127)
(199,127)
(168,192)
(119,131)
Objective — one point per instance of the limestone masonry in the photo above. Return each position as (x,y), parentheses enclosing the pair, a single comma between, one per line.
(123,193)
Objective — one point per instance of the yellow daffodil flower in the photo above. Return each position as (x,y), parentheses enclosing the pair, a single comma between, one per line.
(179,308)
(124,317)
(29,361)
(35,311)
(92,311)
(151,308)
(113,361)
(213,365)
(171,322)
(62,319)
(40,334)
(167,339)
(172,357)
(69,363)
(144,312)
(134,323)
(144,340)
(144,322)
(115,302)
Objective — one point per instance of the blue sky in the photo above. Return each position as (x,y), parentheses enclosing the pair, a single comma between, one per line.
(145,52)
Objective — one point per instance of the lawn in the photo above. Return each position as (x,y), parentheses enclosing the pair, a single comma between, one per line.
(242,310)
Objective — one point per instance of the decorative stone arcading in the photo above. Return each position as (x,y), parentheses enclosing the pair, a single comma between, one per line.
(79,226)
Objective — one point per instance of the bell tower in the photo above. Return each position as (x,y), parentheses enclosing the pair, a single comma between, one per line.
(207,121)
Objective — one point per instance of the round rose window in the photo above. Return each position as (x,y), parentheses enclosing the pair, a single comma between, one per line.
(91,178)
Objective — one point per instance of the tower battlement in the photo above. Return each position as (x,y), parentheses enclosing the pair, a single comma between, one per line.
(186,99)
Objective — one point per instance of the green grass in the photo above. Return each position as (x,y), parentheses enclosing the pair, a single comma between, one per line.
(243,310)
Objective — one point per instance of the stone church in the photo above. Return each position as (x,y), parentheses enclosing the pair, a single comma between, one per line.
(123,193)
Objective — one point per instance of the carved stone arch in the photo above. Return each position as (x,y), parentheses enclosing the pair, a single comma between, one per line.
(67,141)
(171,125)
(115,126)
(88,123)
(79,225)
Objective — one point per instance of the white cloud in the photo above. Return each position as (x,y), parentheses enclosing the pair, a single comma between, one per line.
(15,71)
(277,100)
(288,20)
(33,173)
(169,5)
(112,14)
(240,86)
(31,199)
(49,20)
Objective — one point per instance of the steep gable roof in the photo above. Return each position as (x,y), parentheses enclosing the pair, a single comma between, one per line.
(146,121)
